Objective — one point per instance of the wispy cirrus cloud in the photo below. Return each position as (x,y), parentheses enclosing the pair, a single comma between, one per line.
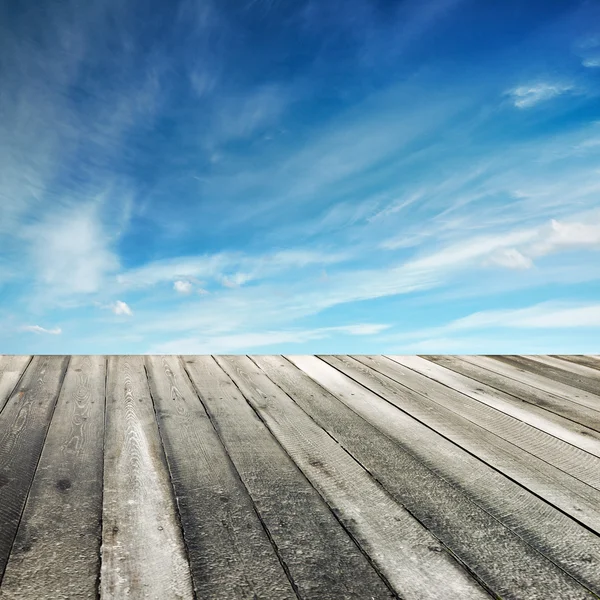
(232,269)
(38,329)
(260,339)
(527,96)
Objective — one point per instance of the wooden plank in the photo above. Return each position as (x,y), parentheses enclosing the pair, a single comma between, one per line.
(554,534)
(551,438)
(569,367)
(536,380)
(586,384)
(11,370)
(56,553)
(585,360)
(143,554)
(320,557)
(568,493)
(524,393)
(230,552)
(499,558)
(577,499)
(408,555)
(23,426)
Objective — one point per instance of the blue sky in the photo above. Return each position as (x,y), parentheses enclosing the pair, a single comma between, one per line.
(316,176)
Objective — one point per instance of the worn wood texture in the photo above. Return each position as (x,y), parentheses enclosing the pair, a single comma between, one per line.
(50,560)
(300,477)
(524,394)
(320,557)
(11,370)
(576,498)
(555,374)
(408,555)
(587,361)
(551,532)
(143,554)
(229,550)
(571,447)
(23,426)
(585,371)
(537,380)
(510,568)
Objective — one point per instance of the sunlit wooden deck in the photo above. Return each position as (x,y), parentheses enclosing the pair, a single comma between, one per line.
(329,477)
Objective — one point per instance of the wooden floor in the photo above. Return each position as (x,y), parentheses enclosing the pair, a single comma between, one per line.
(331,477)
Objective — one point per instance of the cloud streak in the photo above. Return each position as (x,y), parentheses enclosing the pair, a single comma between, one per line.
(38,329)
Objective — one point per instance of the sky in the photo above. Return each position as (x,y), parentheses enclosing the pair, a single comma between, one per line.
(307,176)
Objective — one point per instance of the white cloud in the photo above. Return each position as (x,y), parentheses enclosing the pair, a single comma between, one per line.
(567,236)
(546,315)
(591,62)
(229,268)
(38,329)
(511,258)
(246,340)
(71,251)
(362,329)
(183,287)
(528,96)
(121,308)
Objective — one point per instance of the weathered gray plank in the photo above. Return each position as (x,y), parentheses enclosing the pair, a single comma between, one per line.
(565,542)
(56,553)
(23,426)
(501,559)
(230,553)
(574,380)
(143,554)
(551,438)
(11,370)
(537,380)
(579,359)
(524,393)
(408,555)
(320,557)
(569,367)
(415,395)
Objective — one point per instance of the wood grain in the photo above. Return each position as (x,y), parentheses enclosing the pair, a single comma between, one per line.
(566,377)
(586,361)
(499,558)
(50,560)
(537,380)
(554,534)
(143,553)
(415,395)
(23,426)
(230,553)
(522,393)
(408,555)
(568,446)
(568,367)
(321,559)
(11,370)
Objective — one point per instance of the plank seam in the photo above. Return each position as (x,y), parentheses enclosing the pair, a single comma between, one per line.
(494,469)
(469,452)
(537,368)
(17,384)
(577,448)
(178,512)
(499,375)
(282,562)
(62,379)
(384,489)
